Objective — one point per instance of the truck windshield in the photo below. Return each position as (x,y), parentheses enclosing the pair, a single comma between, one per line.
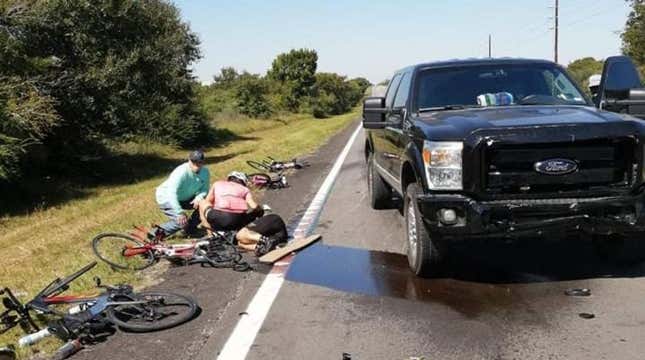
(519,84)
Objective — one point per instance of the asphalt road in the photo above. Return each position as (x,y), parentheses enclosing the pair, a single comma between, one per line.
(352,293)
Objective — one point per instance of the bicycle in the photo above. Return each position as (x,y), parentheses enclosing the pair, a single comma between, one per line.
(136,252)
(118,306)
(262,180)
(272,165)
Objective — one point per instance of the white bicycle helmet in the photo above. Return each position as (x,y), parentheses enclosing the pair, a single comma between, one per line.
(236,175)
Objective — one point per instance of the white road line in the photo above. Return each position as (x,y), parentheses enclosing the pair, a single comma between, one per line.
(239,342)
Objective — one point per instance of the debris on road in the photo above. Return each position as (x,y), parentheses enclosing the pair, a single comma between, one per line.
(577,292)
(294,245)
(587,315)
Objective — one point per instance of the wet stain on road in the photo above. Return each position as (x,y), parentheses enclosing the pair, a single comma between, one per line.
(486,282)
(386,274)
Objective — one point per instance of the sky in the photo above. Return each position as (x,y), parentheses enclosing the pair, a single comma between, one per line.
(374,38)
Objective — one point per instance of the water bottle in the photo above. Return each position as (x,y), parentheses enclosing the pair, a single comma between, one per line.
(67,350)
(33,338)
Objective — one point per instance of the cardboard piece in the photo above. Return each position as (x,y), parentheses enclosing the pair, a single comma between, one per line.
(297,244)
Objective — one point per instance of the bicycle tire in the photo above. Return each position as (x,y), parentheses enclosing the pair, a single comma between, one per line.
(58,284)
(258,165)
(147,256)
(121,315)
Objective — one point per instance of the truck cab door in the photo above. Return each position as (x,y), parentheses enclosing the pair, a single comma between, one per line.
(396,136)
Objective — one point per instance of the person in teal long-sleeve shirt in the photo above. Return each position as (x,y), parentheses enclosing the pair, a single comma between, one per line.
(186,186)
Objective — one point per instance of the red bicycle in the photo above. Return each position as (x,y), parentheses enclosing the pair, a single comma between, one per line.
(136,252)
(261,180)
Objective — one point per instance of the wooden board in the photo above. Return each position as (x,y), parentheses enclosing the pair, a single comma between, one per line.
(297,244)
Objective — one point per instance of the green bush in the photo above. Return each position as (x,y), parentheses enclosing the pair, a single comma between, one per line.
(251,95)
(334,95)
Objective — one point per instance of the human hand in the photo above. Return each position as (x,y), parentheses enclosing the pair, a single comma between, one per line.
(195,203)
(182,220)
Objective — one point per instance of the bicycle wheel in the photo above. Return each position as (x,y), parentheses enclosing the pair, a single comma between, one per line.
(258,165)
(159,310)
(122,251)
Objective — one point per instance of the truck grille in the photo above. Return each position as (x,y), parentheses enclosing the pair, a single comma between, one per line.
(510,169)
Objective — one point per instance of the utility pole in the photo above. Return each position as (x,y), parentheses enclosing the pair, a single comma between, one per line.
(557,8)
(490,52)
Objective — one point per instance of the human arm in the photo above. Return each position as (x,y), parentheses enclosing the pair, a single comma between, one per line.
(253,207)
(171,189)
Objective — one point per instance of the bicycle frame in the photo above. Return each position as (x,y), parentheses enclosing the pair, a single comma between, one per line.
(50,295)
(261,180)
(161,249)
(192,253)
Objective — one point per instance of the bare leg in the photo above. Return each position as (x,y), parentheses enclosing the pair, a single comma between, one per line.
(202,216)
(246,239)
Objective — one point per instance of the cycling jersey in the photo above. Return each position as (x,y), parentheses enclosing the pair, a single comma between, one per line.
(230,196)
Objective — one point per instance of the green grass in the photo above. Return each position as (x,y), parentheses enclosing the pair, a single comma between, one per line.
(54,241)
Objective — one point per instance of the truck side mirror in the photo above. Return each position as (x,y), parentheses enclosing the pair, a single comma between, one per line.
(374,113)
(619,75)
(620,88)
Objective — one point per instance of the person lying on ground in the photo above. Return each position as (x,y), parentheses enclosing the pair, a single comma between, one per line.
(186,186)
(230,206)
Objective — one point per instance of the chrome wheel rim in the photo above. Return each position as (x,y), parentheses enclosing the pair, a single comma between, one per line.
(412,233)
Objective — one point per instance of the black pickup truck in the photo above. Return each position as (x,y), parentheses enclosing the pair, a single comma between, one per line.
(507,148)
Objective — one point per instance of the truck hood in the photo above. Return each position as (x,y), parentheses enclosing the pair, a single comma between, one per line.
(456,124)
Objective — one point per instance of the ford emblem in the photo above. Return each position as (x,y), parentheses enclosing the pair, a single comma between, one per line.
(556,166)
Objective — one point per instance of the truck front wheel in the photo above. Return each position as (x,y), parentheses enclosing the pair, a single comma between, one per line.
(423,253)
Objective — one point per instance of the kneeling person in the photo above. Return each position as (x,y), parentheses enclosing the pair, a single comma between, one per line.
(186,186)
(229,205)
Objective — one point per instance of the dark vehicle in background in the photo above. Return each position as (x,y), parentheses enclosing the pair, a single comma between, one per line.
(508,148)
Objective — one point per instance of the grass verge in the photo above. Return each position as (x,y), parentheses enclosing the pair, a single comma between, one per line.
(53,242)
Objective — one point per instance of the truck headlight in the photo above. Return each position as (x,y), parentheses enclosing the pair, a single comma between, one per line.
(442,160)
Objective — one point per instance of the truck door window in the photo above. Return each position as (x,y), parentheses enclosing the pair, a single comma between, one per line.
(403,92)
(391,90)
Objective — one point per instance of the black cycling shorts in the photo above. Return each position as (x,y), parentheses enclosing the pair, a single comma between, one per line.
(226,221)
(269,225)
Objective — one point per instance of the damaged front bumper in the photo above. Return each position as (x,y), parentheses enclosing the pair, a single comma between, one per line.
(514,218)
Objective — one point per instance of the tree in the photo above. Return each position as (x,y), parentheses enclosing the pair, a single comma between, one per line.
(99,69)
(634,35)
(582,69)
(363,83)
(296,71)
(250,94)
(228,75)
(334,95)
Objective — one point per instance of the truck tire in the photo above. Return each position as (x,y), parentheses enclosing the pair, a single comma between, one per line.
(423,253)
(626,249)
(380,193)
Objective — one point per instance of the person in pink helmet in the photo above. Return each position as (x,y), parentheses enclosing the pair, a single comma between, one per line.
(230,206)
